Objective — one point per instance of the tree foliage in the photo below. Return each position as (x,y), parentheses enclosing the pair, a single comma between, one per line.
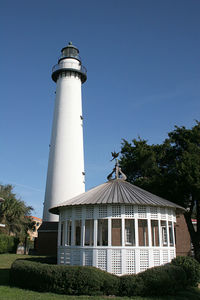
(170,170)
(14,213)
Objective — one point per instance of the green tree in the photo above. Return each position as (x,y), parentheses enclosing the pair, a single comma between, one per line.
(14,214)
(170,170)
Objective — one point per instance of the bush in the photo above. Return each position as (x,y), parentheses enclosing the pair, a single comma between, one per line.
(131,285)
(78,280)
(69,280)
(8,244)
(162,280)
(50,260)
(191,267)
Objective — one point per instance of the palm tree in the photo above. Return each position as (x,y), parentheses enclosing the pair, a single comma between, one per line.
(14,213)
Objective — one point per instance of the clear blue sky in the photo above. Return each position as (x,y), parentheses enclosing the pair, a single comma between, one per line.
(143,62)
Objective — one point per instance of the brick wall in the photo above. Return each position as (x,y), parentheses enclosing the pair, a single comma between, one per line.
(183,243)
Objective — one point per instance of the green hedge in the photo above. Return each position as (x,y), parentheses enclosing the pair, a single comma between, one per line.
(158,281)
(75,280)
(131,285)
(163,280)
(8,244)
(70,280)
(191,268)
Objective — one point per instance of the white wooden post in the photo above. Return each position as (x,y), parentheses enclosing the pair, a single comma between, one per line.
(136,233)
(59,231)
(168,243)
(123,225)
(73,228)
(66,233)
(109,232)
(95,232)
(173,234)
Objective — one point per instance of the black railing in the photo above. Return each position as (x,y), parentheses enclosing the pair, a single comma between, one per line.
(70,66)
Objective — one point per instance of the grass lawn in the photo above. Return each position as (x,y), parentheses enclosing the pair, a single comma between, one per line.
(10,293)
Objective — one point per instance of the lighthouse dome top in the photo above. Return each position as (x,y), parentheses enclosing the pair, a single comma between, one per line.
(70,51)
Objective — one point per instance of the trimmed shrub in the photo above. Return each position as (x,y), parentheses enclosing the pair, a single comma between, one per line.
(162,280)
(51,260)
(8,244)
(191,267)
(69,280)
(131,285)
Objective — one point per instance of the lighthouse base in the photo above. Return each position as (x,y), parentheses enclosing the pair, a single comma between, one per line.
(47,239)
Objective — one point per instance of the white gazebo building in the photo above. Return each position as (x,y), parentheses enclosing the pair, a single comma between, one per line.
(117,227)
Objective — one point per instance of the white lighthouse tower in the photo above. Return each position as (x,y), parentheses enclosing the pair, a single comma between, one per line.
(65,176)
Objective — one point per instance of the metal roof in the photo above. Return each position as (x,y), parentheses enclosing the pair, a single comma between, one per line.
(116,191)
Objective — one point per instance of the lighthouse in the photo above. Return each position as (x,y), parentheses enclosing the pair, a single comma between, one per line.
(65,174)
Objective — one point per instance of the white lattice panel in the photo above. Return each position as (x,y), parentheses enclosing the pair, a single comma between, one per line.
(116,211)
(116,262)
(102,259)
(78,213)
(163,213)
(156,258)
(76,257)
(69,213)
(142,212)
(165,256)
(102,211)
(172,254)
(67,257)
(88,257)
(129,211)
(130,261)
(174,216)
(170,215)
(154,212)
(62,256)
(144,260)
(89,212)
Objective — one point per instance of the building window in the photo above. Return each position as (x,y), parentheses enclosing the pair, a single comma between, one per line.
(154,233)
(143,232)
(69,232)
(77,232)
(116,232)
(164,232)
(130,232)
(62,234)
(89,231)
(102,236)
(171,238)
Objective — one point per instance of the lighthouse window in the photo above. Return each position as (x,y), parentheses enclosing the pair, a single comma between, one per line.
(77,233)
(89,230)
(143,232)
(154,233)
(129,232)
(102,236)
(116,232)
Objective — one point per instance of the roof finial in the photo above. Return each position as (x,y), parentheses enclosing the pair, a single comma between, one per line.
(117,170)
